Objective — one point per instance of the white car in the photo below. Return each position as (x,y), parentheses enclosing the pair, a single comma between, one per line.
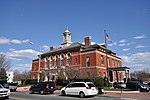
(4,93)
(81,89)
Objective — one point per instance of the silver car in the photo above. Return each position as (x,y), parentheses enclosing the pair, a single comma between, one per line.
(4,93)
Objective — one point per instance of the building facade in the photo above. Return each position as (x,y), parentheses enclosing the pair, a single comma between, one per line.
(77,60)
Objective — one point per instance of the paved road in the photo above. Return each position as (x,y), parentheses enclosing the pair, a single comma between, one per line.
(27,96)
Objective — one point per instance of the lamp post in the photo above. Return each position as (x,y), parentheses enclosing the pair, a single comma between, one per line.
(39,60)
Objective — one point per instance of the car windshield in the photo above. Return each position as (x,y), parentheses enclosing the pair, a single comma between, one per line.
(1,86)
(13,84)
(140,84)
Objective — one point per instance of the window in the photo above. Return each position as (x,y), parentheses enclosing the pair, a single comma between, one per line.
(68,61)
(51,63)
(118,63)
(102,59)
(88,74)
(56,61)
(87,61)
(62,60)
(46,62)
(113,63)
(108,62)
(34,68)
(76,60)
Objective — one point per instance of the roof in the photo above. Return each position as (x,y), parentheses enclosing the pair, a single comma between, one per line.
(72,47)
(118,68)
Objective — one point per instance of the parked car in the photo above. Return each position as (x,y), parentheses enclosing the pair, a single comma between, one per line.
(13,86)
(43,87)
(137,86)
(148,84)
(81,89)
(4,93)
(119,85)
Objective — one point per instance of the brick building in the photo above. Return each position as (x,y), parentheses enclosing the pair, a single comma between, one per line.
(77,60)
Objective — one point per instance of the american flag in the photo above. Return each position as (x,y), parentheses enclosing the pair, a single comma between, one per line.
(108,38)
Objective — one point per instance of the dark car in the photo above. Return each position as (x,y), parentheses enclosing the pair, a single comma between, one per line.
(13,86)
(119,85)
(148,84)
(137,86)
(43,87)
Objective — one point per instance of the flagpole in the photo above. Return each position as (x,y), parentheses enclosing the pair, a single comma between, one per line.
(106,57)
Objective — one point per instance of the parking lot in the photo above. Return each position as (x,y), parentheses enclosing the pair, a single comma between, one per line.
(109,94)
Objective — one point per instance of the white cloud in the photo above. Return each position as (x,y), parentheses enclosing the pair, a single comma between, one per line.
(123,41)
(140,37)
(24,65)
(112,44)
(138,61)
(126,49)
(45,47)
(27,54)
(130,43)
(122,44)
(4,40)
(11,49)
(26,41)
(14,41)
(140,46)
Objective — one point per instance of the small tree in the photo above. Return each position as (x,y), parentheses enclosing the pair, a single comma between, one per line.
(4,66)
(3,74)
(4,62)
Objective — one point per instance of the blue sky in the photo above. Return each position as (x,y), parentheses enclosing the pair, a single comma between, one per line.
(43,22)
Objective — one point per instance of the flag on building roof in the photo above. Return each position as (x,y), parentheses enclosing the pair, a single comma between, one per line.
(108,38)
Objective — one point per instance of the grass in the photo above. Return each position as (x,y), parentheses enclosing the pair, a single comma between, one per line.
(115,89)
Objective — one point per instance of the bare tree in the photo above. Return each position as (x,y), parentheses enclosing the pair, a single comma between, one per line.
(4,66)
(141,75)
(18,76)
(4,62)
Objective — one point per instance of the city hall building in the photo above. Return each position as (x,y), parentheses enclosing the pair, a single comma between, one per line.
(77,60)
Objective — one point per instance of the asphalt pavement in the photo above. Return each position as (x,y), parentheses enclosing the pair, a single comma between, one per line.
(127,95)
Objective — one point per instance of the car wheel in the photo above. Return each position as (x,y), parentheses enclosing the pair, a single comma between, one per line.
(51,92)
(31,92)
(7,97)
(139,89)
(81,95)
(63,93)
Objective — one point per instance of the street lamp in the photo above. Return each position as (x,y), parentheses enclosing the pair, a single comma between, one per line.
(39,60)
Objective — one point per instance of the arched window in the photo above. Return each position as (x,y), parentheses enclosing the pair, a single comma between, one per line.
(51,61)
(62,59)
(87,61)
(56,61)
(68,61)
(46,62)
(102,59)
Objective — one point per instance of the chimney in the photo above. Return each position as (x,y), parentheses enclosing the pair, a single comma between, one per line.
(87,40)
(52,48)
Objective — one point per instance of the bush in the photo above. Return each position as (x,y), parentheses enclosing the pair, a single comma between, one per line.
(61,81)
(99,82)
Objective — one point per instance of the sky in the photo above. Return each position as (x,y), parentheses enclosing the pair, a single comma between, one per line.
(42,22)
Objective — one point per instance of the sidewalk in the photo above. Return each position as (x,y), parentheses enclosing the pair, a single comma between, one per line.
(127,94)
